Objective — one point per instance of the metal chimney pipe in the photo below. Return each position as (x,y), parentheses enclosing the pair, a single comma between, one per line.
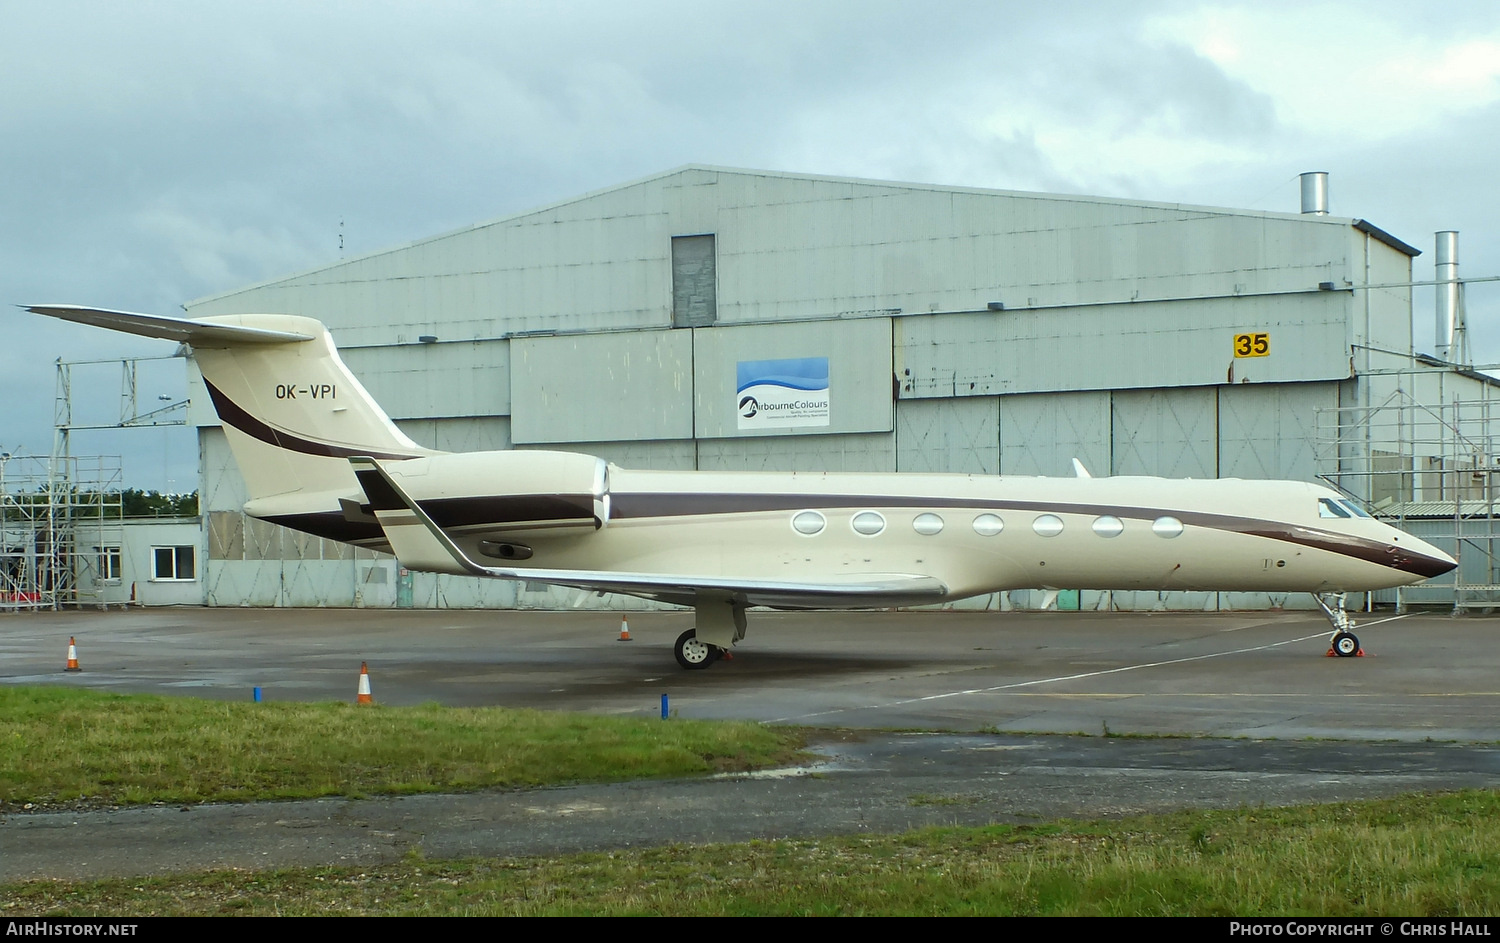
(1445,265)
(1315,192)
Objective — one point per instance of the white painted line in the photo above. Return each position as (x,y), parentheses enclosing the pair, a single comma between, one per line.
(1077,677)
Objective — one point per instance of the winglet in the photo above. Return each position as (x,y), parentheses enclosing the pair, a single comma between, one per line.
(1079,470)
(415,538)
(184,330)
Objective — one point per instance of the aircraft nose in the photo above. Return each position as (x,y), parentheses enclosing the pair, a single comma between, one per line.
(1420,558)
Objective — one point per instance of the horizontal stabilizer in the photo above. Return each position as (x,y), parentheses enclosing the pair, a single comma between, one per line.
(183,330)
(419,543)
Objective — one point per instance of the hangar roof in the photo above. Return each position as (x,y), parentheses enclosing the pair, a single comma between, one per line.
(854,182)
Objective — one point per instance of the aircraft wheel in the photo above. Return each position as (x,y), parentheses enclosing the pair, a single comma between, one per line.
(1345,645)
(692,653)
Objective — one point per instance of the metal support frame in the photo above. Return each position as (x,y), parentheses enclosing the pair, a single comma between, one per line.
(60,514)
(58,520)
(1429,468)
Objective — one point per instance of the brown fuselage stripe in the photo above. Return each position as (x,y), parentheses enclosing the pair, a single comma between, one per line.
(230,413)
(498,511)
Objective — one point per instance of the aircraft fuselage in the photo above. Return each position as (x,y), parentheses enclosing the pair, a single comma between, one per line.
(974,533)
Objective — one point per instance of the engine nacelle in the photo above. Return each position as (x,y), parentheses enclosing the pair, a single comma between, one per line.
(497,492)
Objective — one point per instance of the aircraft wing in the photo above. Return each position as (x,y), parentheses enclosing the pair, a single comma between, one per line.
(183,330)
(421,544)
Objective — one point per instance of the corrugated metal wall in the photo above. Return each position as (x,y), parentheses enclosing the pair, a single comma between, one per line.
(859,373)
(437,380)
(595,387)
(1041,433)
(949,435)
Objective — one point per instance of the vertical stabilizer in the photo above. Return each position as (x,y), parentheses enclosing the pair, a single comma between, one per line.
(292,412)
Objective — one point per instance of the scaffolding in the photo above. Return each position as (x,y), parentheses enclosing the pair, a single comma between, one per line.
(1429,468)
(61,515)
(59,521)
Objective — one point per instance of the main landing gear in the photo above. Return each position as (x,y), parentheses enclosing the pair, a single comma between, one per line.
(1344,644)
(720,624)
(692,653)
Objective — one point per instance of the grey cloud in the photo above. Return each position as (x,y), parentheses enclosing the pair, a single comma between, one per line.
(157,152)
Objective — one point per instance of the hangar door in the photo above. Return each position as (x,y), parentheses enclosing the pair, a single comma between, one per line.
(1255,431)
(1172,433)
(1041,433)
(1270,430)
(948,435)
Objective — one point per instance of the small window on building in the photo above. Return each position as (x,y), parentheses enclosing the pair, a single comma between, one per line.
(694,281)
(109,564)
(172,563)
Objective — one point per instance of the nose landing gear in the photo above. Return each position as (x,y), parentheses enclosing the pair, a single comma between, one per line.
(1344,644)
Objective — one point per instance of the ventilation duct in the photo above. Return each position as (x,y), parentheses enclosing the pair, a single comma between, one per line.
(1449,313)
(1315,192)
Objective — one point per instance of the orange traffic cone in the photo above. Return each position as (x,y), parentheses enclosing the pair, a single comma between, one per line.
(624,630)
(72,656)
(364,685)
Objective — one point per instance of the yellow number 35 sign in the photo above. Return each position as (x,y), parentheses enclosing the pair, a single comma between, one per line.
(1252,345)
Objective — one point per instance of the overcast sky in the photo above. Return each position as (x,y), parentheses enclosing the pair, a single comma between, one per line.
(153,153)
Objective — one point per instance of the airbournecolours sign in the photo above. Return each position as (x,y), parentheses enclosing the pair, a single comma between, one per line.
(782,394)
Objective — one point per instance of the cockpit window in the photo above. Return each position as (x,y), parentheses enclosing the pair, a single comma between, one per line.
(1358,511)
(1327,507)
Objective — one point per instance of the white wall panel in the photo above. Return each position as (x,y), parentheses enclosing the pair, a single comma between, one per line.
(948,435)
(1041,433)
(1142,601)
(1171,433)
(859,372)
(833,453)
(479,434)
(671,455)
(602,387)
(1181,343)
(1270,431)
(221,488)
(423,381)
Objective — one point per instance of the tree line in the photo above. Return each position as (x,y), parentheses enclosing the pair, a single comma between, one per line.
(133,502)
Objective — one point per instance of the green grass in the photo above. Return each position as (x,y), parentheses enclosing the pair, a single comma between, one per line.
(1412,856)
(57,745)
(1415,855)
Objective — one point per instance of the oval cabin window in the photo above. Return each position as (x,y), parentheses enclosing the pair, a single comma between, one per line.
(927,524)
(1108,526)
(808,523)
(868,523)
(1166,527)
(1048,525)
(988,525)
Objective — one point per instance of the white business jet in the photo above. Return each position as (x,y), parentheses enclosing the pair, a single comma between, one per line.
(319,455)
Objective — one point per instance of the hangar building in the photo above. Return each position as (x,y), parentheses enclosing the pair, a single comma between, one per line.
(961,330)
